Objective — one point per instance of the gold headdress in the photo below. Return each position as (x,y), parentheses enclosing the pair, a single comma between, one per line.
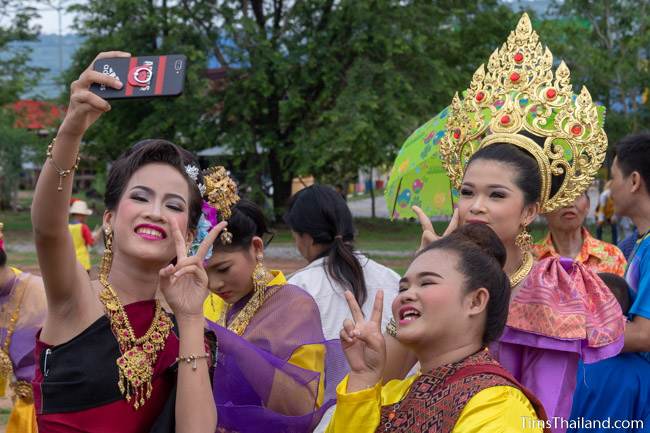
(518,96)
(221,194)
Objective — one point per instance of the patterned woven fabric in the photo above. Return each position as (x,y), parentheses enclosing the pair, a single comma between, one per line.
(436,399)
(573,305)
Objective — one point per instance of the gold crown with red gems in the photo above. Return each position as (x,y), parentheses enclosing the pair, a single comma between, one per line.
(518,93)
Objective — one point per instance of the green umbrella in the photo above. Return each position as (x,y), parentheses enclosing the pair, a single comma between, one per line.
(418,177)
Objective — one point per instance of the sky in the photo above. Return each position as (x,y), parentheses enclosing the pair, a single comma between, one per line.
(49,21)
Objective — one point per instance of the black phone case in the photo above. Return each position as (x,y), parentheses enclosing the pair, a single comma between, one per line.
(142,77)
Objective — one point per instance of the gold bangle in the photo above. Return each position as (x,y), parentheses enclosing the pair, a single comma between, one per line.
(391,328)
(61,172)
(192,359)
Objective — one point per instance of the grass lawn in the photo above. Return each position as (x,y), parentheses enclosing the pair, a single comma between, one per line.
(383,239)
(4,415)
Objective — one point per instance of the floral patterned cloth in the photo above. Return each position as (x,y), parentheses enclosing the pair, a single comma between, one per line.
(596,255)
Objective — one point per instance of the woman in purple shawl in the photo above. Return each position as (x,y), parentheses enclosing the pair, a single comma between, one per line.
(272,359)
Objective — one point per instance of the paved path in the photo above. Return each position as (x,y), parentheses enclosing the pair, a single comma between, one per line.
(363,207)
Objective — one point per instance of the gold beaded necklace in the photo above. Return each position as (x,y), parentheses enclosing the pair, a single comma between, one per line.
(526,265)
(135,365)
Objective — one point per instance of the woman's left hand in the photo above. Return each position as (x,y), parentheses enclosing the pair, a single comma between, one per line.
(429,234)
(185,286)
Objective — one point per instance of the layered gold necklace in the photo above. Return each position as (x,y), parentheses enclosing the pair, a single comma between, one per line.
(136,364)
(526,265)
(139,355)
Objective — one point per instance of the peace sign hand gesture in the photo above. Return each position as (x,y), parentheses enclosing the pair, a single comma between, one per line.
(185,286)
(428,232)
(363,344)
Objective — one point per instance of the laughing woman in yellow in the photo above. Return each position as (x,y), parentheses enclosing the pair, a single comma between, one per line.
(452,302)
(272,355)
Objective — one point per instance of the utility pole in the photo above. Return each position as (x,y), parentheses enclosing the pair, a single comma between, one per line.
(59,6)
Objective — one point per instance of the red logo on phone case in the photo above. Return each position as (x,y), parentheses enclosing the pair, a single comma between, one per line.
(140,76)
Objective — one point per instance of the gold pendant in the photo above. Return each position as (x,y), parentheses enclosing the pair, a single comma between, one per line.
(135,375)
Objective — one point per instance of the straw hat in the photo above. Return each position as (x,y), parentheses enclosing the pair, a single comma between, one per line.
(80,207)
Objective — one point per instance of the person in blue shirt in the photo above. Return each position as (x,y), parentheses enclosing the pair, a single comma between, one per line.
(627,244)
(630,189)
(613,394)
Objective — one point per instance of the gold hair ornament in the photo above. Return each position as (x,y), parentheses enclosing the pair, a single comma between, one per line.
(221,193)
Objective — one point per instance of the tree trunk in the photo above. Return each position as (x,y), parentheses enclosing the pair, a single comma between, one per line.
(372,195)
(281,186)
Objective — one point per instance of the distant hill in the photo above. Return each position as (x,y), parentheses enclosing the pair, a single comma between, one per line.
(540,7)
(45,54)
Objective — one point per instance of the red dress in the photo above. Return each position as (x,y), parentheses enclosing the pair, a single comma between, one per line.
(75,386)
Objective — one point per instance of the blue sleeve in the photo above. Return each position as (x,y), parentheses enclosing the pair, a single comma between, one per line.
(641,306)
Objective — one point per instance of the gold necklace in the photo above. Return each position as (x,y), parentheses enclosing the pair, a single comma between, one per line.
(526,265)
(135,366)
(6,366)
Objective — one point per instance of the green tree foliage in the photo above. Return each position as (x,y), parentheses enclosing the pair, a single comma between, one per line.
(15,26)
(14,143)
(606,44)
(325,88)
(144,28)
(318,87)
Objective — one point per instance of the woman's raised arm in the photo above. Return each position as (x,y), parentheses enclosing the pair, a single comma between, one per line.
(64,278)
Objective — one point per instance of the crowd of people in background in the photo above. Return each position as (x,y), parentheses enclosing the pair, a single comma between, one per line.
(186,329)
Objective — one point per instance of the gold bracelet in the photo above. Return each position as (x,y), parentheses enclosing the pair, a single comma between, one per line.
(62,173)
(192,359)
(391,328)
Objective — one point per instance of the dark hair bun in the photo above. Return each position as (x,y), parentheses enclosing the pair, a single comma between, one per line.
(247,221)
(485,238)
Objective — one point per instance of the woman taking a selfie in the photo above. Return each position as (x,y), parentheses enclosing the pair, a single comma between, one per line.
(453,302)
(110,358)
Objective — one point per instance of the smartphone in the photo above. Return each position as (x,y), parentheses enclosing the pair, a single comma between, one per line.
(143,77)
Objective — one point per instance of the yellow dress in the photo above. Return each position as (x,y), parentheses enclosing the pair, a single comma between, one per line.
(499,409)
(80,248)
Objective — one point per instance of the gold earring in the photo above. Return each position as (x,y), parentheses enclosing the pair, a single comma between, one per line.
(524,240)
(226,237)
(260,275)
(212,304)
(107,257)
